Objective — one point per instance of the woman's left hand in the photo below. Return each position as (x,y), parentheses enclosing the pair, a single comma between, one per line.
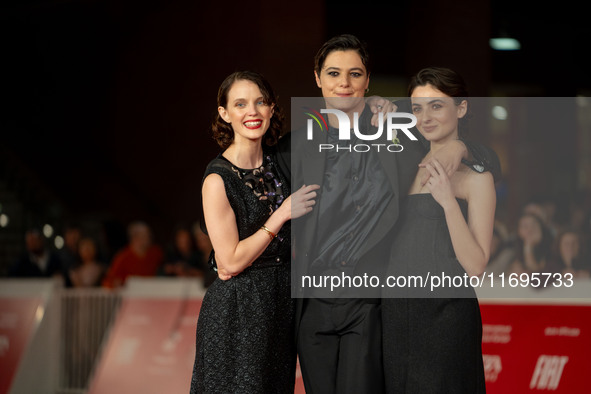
(439,184)
(450,157)
(223,274)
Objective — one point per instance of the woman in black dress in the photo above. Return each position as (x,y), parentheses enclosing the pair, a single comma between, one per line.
(245,341)
(432,344)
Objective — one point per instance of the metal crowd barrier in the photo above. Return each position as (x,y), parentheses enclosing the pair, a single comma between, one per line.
(86,316)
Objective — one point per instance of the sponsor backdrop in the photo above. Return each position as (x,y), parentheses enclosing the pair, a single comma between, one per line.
(536,348)
(527,348)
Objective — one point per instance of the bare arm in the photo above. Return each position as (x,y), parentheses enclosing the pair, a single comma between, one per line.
(232,254)
(471,241)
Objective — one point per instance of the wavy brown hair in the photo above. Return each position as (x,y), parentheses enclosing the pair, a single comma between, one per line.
(222,131)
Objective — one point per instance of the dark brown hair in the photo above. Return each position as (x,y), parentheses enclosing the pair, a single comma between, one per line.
(344,42)
(444,79)
(543,250)
(447,81)
(223,133)
(558,240)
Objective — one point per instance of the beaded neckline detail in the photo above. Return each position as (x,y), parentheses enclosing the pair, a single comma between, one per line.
(263,181)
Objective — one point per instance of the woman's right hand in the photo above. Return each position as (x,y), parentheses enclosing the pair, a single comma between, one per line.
(301,202)
(379,105)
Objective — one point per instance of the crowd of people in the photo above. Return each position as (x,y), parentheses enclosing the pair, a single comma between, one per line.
(79,261)
(549,236)
(543,239)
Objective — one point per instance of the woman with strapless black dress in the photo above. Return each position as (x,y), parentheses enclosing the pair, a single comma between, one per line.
(432,341)
(245,339)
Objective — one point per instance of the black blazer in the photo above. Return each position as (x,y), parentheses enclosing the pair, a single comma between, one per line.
(308,166)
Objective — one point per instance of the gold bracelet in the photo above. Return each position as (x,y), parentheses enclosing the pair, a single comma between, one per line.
(271,234)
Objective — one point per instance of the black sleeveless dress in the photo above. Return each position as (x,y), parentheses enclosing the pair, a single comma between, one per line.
(245,340)
(430,345)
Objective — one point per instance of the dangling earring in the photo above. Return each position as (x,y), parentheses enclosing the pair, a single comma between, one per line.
(367,90)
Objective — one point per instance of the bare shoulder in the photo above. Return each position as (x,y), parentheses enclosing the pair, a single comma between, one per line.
(479,184)
(213,194)
(476,179)
(213,183)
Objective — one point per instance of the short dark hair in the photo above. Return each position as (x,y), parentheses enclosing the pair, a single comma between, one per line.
(223,133)
(444,79)
(343,42)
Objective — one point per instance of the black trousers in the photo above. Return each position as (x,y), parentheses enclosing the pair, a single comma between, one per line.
(340,346)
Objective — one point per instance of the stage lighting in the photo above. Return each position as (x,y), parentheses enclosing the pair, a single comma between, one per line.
(3,220)
(47,230)
(505,44)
